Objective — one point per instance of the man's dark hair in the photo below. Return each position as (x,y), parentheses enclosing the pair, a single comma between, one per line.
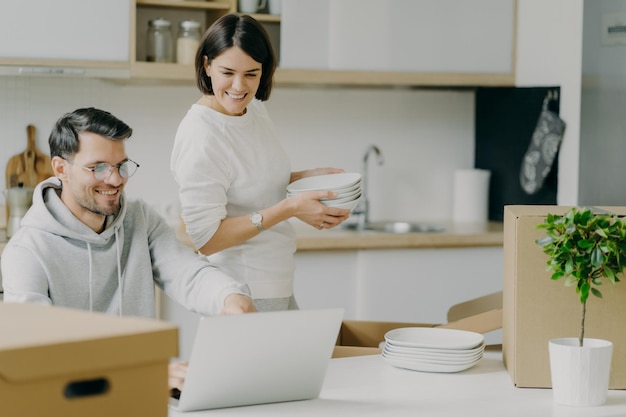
(63,139)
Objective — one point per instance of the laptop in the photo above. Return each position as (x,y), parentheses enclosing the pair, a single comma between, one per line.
(259,358)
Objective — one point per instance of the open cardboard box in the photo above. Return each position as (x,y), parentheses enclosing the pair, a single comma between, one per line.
(61,362)
(537,309)
(358,338)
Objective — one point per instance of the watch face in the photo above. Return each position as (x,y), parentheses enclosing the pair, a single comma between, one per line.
(256,218)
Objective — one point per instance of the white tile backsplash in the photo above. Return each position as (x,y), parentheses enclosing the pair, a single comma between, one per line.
(424,134)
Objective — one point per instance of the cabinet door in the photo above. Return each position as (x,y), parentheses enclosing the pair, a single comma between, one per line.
(65,30)
(451,36)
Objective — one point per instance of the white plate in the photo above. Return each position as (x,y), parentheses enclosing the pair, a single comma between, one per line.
(442,360)
(325,182)
(438,352)
(429,367)
(434,338)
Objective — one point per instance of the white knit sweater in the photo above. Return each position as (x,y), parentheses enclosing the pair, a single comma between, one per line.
(229,166)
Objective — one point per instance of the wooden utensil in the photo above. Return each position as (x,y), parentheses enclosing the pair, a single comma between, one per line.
(29,167)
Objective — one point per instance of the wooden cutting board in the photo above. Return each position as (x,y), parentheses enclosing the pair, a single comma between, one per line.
(29,167)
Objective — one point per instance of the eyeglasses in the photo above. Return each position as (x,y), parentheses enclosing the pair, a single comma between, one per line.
(103,170)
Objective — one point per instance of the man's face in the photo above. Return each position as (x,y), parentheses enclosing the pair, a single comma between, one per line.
(89,199)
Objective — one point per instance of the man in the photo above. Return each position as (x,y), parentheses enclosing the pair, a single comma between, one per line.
(83,245)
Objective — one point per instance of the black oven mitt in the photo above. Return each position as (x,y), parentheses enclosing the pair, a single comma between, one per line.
(542,150)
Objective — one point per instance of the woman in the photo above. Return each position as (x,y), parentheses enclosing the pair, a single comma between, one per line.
(232,172)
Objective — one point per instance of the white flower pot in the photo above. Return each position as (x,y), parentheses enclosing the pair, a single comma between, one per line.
(580,375)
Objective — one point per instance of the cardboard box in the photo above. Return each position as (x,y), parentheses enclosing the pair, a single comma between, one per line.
(61,362)
(537,309)
(358,338)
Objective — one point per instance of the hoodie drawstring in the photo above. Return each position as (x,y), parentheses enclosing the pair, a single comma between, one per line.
(119,273)
(119,270)
(90,279)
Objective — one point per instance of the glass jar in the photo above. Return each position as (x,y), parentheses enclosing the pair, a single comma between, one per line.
(187,42)
(159,45)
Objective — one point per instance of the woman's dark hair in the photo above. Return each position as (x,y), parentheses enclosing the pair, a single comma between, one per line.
(245,33)
(63,139)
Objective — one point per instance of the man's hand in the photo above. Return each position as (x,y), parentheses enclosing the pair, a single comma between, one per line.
(237,304)
(176,375)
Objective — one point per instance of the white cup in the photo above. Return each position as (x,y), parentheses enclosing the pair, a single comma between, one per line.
(274,6)
(251,6)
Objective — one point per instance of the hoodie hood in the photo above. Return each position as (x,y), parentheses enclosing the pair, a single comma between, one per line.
(50,214)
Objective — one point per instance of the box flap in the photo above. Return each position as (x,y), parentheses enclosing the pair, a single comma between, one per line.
(479,323)
(477,305)
(40,341)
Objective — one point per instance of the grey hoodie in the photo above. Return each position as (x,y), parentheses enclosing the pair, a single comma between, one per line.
(56,259)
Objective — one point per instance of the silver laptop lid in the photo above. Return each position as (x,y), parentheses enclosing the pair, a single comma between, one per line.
(259,358)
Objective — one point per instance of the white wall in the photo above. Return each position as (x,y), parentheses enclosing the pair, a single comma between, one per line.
(424,135)
(549,50)
(603,127)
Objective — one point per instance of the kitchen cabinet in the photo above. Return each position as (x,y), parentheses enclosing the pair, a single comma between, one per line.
(420,42)
(205,12)
(403,285)
(66,37)
(291,33)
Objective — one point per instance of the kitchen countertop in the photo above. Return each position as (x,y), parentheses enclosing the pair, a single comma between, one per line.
(454,236)
(369,386)
(310,239)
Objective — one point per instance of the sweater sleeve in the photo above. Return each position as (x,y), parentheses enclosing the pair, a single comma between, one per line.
(199,164)
(188,278)
(23,277)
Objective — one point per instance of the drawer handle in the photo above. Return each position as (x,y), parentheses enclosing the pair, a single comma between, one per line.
(86,388)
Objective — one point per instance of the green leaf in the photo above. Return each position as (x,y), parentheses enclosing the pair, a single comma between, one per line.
(543,241)
(596,257)
(596,292)
(585,244)
(569,281)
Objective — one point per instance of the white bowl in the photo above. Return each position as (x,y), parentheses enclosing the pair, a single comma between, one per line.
(349,205)
(351,195)
(341,192)
(335,201)
(325,182)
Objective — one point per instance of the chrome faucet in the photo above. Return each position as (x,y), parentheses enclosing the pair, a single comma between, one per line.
(364,206)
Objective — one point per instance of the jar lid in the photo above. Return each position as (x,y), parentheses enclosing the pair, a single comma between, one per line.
(189,24)
(160,23)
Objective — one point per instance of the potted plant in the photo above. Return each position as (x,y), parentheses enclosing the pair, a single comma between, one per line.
(585,249)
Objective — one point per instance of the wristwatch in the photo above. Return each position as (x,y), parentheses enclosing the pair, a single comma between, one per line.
(256,219)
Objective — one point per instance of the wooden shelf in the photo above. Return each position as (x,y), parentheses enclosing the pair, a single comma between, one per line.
(185,73)
(187,4)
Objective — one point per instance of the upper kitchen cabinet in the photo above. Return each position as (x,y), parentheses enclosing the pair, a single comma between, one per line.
(399,42)
(176,11)
(66,37)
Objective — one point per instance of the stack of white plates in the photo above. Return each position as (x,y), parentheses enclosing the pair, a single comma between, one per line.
(431,349)
(346,185)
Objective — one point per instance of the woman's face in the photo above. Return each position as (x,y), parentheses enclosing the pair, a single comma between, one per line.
(235,78)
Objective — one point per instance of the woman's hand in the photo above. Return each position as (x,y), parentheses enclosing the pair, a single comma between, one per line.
(309,209)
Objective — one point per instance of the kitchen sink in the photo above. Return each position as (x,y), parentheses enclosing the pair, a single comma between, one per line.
(395,227)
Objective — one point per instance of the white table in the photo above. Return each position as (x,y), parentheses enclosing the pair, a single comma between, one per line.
(369,386)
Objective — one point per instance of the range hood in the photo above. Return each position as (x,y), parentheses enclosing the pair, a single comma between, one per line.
(66,38)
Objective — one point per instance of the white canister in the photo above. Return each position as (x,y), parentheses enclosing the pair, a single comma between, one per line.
(471,196)
(187,42)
